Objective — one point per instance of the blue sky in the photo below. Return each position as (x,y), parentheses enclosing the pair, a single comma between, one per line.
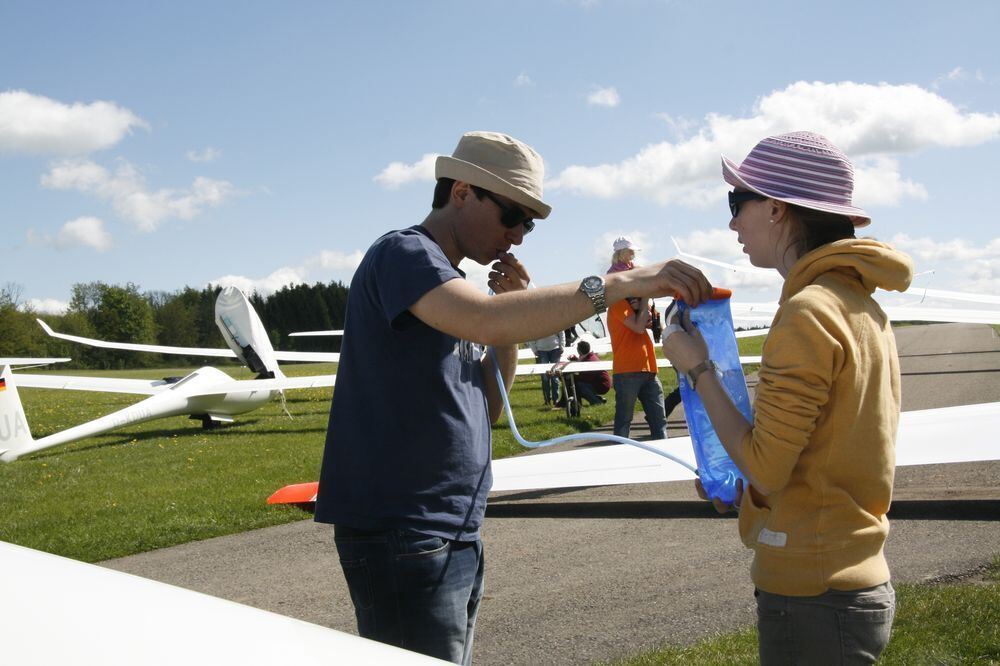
(262,143)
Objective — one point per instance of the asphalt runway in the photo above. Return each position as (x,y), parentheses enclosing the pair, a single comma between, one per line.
(591,574)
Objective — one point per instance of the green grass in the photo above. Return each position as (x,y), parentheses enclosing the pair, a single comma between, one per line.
(154,484)
(955,623)
(167,482)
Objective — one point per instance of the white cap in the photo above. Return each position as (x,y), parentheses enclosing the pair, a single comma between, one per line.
(623,243)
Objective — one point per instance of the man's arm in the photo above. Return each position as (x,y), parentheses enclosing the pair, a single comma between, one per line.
(515,314)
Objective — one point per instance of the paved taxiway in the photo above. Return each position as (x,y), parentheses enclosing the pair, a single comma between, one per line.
(591,574)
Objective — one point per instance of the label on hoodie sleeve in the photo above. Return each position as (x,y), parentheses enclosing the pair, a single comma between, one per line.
(769,538)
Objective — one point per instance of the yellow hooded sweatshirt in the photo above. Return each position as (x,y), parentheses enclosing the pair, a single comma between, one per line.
(821,455)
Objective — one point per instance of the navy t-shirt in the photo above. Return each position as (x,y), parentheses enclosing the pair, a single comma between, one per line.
(408,445)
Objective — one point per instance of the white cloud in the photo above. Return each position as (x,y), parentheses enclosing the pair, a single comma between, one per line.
(400,173)
(209,154)
(283,277)
(85,231)
(327,265)
(128,193)
(955,249)
(721,245)
(47,306)
(871,123)
(604,97)
(957,264)
(336,260)
(39,125)
(523,80)
(956,75)
(877,182)
(82,232)
(678,125)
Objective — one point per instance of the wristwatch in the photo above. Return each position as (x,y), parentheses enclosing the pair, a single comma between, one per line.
(697,371)
(593,287)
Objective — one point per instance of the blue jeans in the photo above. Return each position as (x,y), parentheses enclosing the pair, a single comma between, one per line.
(414,591)
(550,384)
(830,628)
(647,388)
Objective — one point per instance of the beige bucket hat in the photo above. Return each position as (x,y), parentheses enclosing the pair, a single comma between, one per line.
(498,163)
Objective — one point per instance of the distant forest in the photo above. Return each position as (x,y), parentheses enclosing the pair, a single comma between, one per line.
(185,318)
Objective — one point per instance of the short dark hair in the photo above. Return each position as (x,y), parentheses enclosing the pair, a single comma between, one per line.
(442,192)
(815,228)
(583,347)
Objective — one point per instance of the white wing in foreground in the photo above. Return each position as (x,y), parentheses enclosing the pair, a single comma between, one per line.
(967,430)
(59,611)
(595,466)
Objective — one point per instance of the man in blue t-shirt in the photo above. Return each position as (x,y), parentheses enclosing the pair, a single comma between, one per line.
(406,468)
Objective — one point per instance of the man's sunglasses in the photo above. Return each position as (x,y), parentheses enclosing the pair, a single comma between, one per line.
(510,216)
(737,198)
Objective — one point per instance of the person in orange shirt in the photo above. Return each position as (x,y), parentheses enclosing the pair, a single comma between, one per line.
(634,367)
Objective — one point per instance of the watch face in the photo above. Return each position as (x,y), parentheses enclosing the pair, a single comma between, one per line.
(592,283)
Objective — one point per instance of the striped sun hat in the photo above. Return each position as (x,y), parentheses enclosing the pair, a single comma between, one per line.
(800,168)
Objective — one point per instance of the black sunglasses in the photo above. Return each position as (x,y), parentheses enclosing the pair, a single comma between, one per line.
(510,216)
(736,198)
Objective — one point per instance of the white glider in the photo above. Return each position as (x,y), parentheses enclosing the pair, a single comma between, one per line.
(592,366)
(59,611)
(918,443)
(761,312)
(242,330)
(207,393)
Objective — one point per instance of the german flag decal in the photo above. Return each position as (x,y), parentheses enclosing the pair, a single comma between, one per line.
(3,384)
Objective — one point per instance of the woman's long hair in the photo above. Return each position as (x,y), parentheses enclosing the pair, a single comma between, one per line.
(814,228)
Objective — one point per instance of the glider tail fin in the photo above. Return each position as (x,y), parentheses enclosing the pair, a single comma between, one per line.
(245,334)
(15,437)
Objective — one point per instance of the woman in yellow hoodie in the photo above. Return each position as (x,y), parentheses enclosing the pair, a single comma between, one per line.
(820,454)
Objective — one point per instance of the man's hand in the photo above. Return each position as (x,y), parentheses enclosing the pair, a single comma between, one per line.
(678,276)
(664,279)
(508,274)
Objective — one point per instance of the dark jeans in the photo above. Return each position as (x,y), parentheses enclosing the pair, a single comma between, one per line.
(414,591)
(647,388)
(585,391)
(831,628)
(550,383)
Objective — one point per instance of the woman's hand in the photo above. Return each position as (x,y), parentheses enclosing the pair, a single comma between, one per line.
(685,348)
(719,505)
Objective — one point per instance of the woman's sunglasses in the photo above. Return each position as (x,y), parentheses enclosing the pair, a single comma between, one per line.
(510,216)
(737,198)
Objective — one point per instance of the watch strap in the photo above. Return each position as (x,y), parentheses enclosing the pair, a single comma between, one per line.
(698,370)
(597,296)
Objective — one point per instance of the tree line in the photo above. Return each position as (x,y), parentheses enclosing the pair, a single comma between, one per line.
(184,318)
